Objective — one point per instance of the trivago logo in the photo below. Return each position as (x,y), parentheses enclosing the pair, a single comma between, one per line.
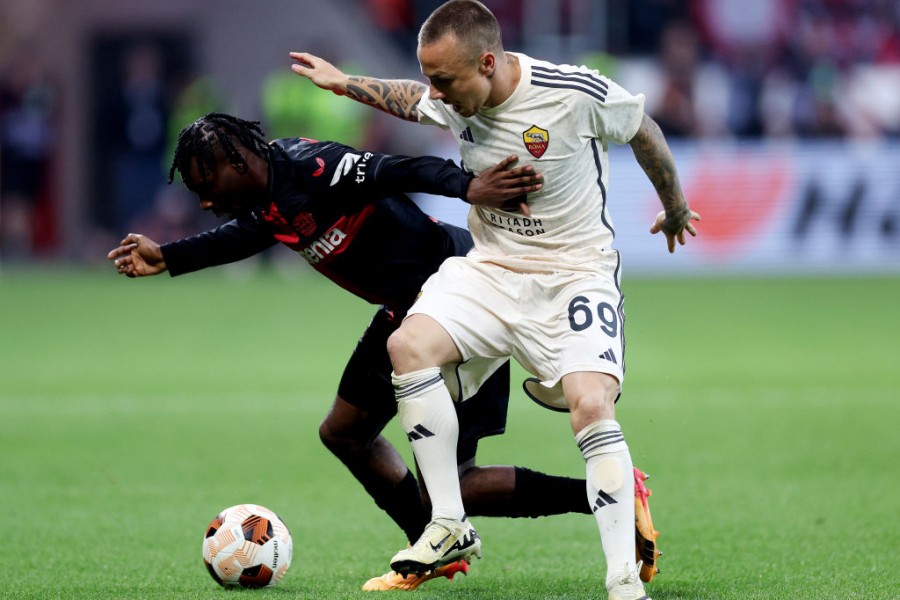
(737,194)
(347,164)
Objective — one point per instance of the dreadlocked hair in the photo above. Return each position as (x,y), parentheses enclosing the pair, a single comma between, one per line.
(199,139)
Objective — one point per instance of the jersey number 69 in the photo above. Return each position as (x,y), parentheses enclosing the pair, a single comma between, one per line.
(581,317)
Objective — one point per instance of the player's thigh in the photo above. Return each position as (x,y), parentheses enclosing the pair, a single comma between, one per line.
(365,400)
(576,324)
(474,304)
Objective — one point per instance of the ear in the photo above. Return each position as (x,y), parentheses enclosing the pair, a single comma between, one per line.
(238,162)
(487,64)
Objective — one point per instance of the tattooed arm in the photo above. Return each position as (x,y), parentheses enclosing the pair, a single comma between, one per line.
(653,154)
(397,97)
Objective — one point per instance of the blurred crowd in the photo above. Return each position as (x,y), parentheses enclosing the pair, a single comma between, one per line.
(28,136)
(797,69)
(713,68)
(781,68)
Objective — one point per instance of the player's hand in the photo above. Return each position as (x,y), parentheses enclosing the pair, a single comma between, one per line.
(503,186)
(137,256)
(320,72)
(674,225)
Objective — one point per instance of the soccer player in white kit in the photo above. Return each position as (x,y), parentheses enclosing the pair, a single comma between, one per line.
(542,282)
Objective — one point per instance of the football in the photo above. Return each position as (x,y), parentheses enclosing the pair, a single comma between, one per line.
(248,546)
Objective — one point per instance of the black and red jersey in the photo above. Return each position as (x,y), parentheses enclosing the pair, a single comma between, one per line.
(344,211)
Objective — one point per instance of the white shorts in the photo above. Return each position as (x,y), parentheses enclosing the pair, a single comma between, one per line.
(553,324)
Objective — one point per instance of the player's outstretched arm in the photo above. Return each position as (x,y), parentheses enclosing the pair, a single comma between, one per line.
(496,186)
(137,256)
(397,97)
(653,154)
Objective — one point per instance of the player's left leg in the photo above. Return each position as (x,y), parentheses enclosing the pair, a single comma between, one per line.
(591,398)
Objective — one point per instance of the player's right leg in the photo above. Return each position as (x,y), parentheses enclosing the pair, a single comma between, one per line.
(459,304)
(417,349)
(352,429)
(348,432)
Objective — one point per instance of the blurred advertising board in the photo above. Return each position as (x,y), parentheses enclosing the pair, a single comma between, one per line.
(814,207)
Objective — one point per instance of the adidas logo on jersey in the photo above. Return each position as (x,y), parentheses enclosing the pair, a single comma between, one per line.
(323,246)
(610,356)
(466,135)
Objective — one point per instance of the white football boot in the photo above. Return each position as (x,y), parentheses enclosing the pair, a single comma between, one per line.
(444,541)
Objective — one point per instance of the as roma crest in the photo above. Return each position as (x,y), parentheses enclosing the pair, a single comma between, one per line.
(305,224)
(536,140)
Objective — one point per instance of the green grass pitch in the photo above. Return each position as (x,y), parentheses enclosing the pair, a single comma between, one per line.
(131,412)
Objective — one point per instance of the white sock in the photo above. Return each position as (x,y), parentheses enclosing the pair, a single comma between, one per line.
(610,490)
(429,420)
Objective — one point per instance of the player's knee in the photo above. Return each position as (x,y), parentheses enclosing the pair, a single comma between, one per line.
(326,435)
(420,343)
(592,394)
(407,351)
(337,442)
(398,347)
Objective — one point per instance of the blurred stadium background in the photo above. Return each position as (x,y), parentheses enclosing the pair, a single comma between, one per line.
(784,114)
(762,356)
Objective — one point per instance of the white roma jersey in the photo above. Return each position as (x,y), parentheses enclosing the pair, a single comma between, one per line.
(559,119)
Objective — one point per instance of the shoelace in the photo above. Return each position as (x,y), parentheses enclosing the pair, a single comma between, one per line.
(434,525)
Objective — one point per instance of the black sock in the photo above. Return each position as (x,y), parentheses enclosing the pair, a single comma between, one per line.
(403,503)
(538,495)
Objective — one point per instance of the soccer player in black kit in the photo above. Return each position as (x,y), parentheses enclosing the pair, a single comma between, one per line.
(345,212)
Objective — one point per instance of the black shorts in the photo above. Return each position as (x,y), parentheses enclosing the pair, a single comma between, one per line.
(366,384)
